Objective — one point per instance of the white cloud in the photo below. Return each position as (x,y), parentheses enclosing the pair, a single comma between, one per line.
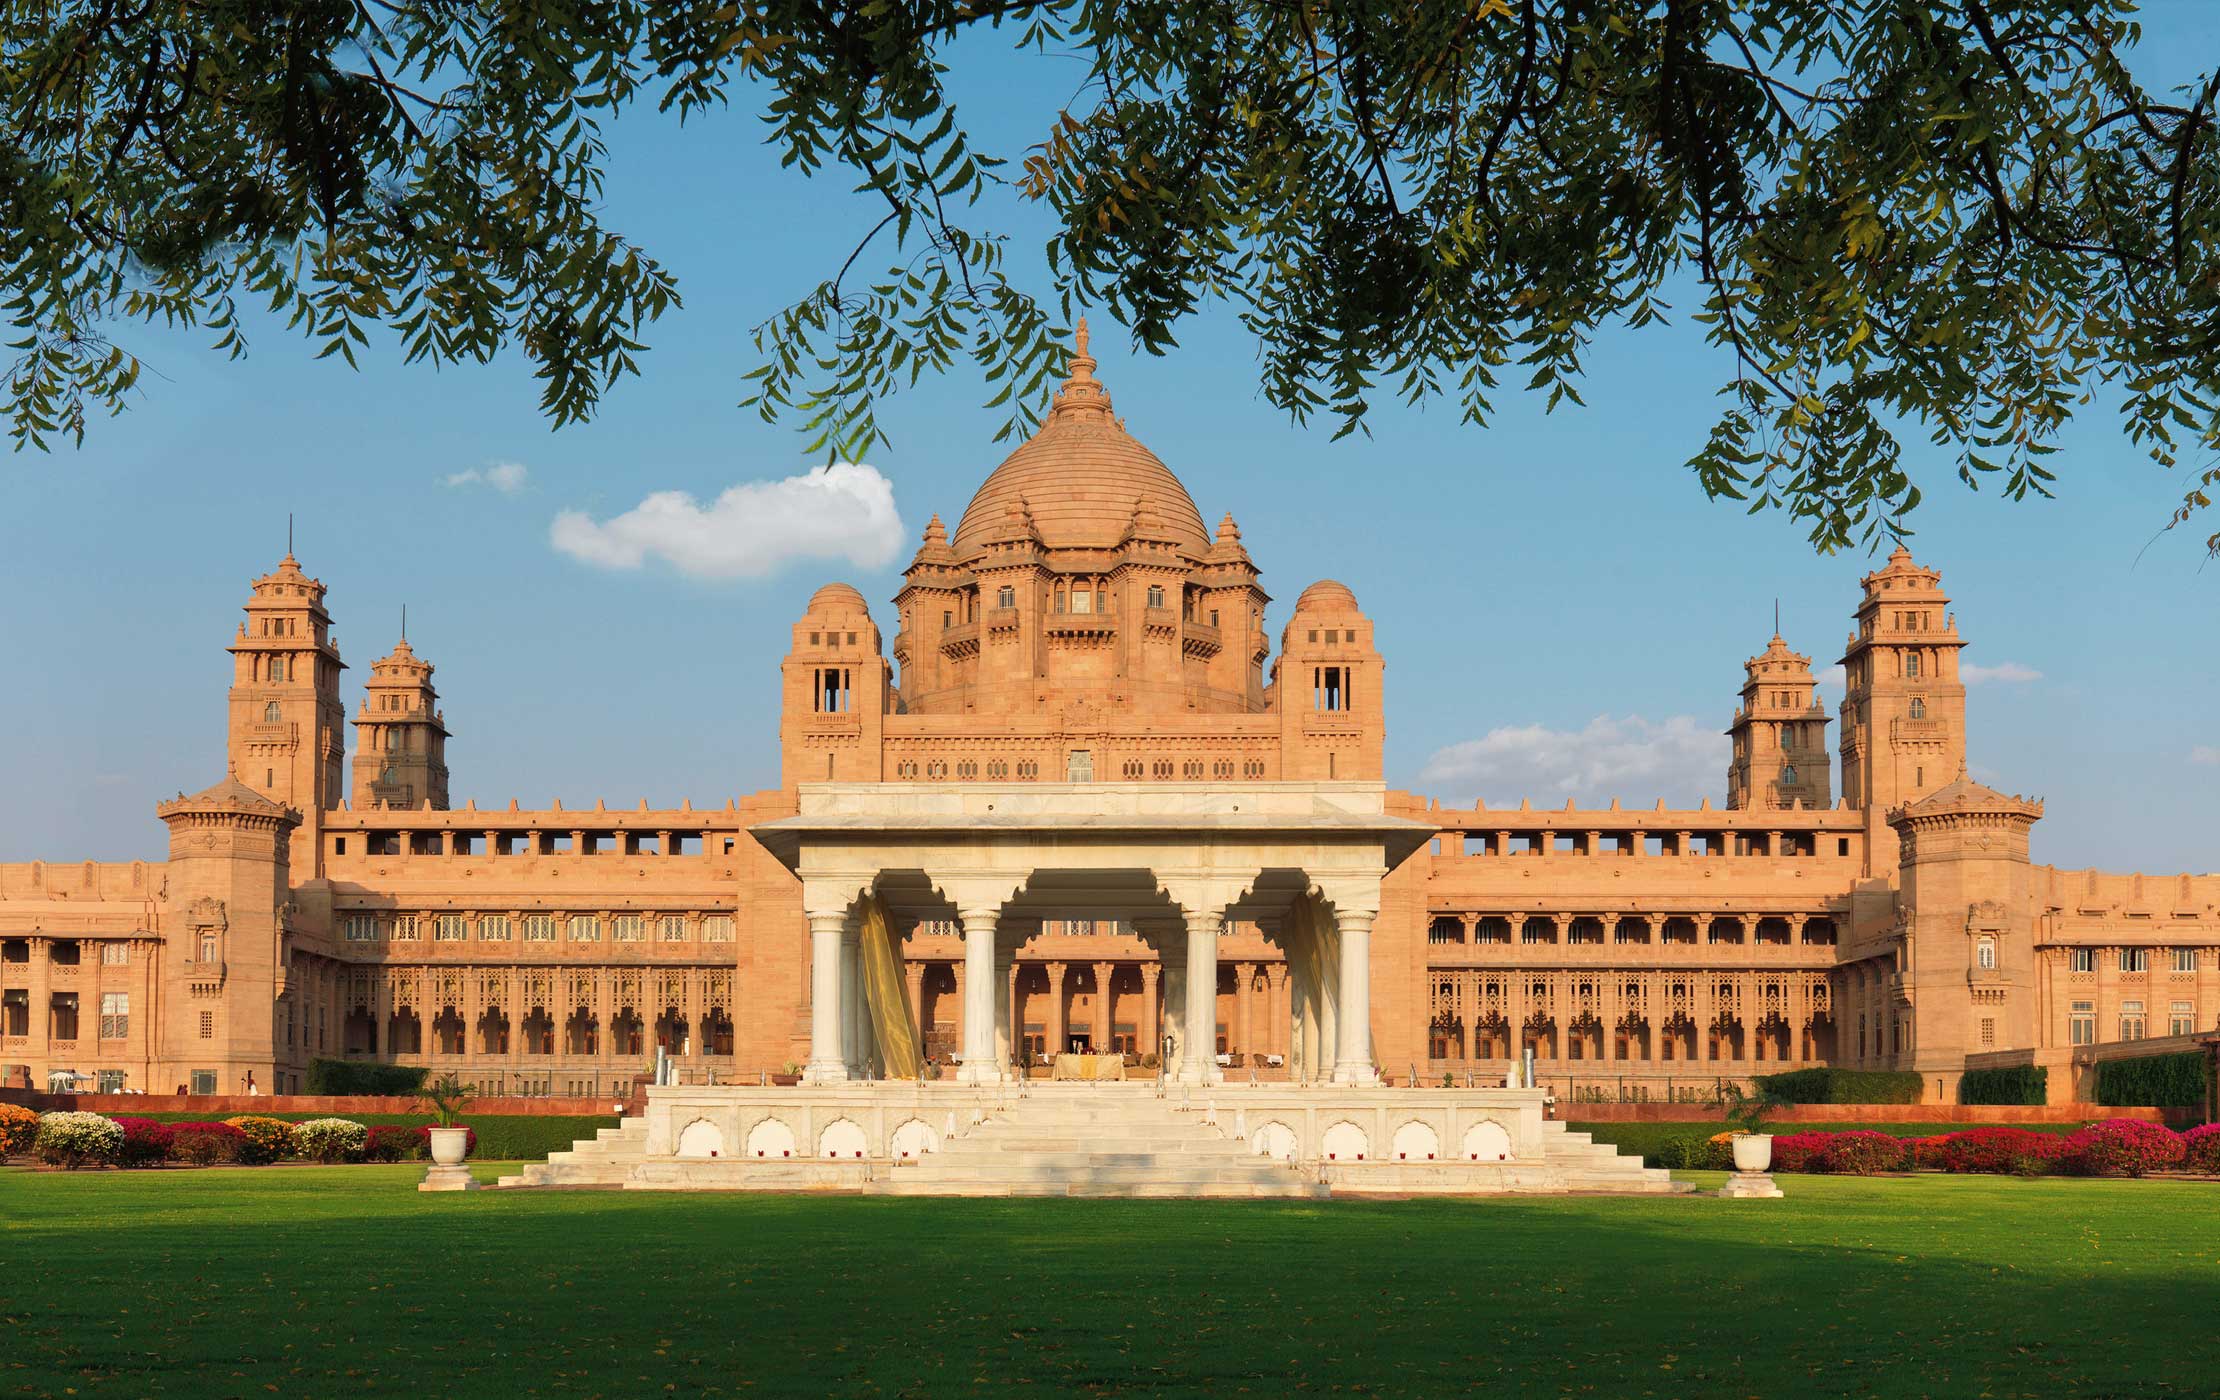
(844,511)
(2010,672)
(1629,758)
(2204,753)
(505,477)
(1836,676)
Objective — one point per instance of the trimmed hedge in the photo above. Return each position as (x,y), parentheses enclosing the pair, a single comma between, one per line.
(501,1137)
(363,1077)
(2021,1084)
(1843,1085)
(2153,1081)
(1673,1144)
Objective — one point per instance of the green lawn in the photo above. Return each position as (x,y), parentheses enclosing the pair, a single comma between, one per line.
(344,1281)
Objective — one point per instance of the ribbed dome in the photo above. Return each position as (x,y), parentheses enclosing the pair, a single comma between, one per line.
(837,595)
(1080,477)
(1327,596)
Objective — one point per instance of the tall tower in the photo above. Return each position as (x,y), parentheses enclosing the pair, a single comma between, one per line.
(400,735)
(833,694)
(1904,709)
(286,738)
(1779,734)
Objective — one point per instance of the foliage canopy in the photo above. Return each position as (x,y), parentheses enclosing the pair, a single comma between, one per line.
(1963,218)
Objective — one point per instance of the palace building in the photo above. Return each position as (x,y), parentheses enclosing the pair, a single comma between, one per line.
(1081,800)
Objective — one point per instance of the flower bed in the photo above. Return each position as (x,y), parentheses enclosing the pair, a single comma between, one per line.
(206,1144)
(331,1140)
(1856,1153)
(2201,1149)
(2004,1151)
(2124,1147)
(263,1140)
(19,1128)
(146,1143)
(73,1140)
(397,1142)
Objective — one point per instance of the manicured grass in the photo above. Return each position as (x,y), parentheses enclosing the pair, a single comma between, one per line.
(1647,1138)
(523,1135)
(344,1281)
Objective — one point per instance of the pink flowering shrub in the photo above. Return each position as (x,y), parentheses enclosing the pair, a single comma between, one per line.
(2009,1151)
(1799,1152)
(206,1144)
(397,1142)
(2124,1147)
(2201,1149)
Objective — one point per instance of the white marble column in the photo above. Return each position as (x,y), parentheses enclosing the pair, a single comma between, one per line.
(980,986)
(828,1062)
(1353,1063)
(1172,952)
(854,1023)
(1199,1060)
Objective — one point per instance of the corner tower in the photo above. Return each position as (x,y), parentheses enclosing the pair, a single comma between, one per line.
(400,735)
(1904,709)
(833,700)
(286,734)
(1779,734)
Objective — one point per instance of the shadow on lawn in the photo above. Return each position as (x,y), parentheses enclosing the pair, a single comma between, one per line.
(311,1283)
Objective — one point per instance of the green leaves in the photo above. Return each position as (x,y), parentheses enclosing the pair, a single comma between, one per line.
(1898,217)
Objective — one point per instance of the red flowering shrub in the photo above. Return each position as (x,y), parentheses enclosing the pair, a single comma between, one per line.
(205,1144)
(396,1142)
(470,1142)
(2124,1147)
(146,1143)
(2010,1151)
(1799,1152)
(1861,1153)
(2201,1149)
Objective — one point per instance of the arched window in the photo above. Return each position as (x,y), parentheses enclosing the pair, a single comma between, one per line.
(1919,707)
(1788,772)
(272,713)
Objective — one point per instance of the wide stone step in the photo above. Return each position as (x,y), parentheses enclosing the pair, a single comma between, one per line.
(1290,1189)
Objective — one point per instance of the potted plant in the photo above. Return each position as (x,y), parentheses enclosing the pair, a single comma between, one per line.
(447,1096)
(789,1077)
(1752,1147)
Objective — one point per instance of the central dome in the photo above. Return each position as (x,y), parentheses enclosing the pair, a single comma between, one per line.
(1081,476)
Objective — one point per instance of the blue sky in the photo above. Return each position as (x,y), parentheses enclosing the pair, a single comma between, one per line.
(1562,611)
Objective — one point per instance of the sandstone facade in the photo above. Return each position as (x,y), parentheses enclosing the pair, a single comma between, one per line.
(1082,784)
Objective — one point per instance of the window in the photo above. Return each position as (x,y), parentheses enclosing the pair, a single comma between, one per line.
(585,928)
(115,1015)
(1028,769)
(1080,768)
(539,928)
(2185,960)
(2084,960)
(493,928)
(273,713)
(208,1027)
(204,1081)
(112,1081)
(1156,596)
(626,928)
(1919,707)
(1083,600)
(1988,1030)
(277,668)
(716,928)
(674,928)
(1005,597)
(1911,665)
(834,692)
(115,954)
(361,928)
(2135,960)
(1331,688)
(2131,1020)
(404,928)
(2183,1020)
(1984,953)
(448,928)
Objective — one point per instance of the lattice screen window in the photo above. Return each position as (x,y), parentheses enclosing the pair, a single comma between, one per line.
(539,928)
(674,928)
(361,928)
(115,1015)
(404,928)
(115,954)
(716,928)
(493,928)
(585,928)
(448,928)
(626,928)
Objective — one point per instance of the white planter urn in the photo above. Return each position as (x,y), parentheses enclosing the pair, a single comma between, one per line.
(450,1145)
(1753,1152)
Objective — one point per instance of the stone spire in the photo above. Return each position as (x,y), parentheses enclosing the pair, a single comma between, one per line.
(1082,400)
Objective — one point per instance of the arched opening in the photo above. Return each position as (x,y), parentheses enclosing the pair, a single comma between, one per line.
(1416,1142)
(701,1138)
(770,1139)
(673,1033)
(448,1031)
(405,1033)
(539,1032)
(493,1032)
(359,1033)
(581,1033)
(628,1033)
(716,1032)
(1486,1141)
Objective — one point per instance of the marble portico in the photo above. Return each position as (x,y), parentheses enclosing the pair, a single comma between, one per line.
(1175,864)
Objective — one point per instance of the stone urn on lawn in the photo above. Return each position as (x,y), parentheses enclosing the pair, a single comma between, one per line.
(446,1096)
(1752,1147)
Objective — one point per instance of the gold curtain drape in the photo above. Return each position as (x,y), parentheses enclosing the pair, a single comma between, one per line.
(886,995)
